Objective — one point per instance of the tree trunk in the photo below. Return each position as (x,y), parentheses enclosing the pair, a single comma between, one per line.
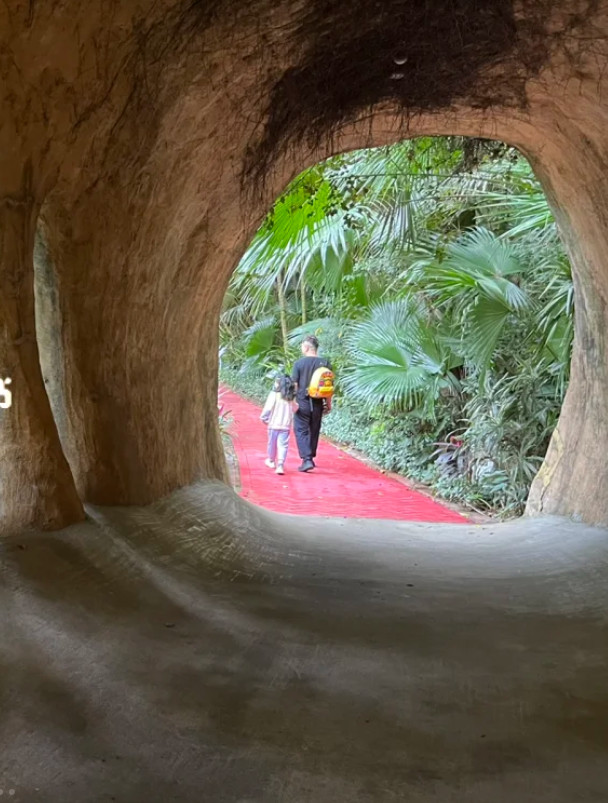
(283,315)
(303,299)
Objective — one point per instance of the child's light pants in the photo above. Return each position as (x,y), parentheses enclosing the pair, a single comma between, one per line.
(278,441)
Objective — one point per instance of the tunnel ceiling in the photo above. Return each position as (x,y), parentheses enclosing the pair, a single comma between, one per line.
(418,56)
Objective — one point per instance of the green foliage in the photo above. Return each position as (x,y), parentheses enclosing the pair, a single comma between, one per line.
(396,444)
(433,274)
(399,358)
(253,384)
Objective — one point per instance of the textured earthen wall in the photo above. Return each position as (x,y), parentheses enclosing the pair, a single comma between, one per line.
(152,136)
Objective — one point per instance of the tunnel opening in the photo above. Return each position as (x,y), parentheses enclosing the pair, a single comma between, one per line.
(433,275)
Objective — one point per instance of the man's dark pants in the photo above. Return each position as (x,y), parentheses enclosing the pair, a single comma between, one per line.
(307,426)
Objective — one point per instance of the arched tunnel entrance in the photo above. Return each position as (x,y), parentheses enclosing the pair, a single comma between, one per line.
(431,275)
(179,643)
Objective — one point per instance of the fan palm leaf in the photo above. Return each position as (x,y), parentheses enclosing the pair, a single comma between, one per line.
(397,358)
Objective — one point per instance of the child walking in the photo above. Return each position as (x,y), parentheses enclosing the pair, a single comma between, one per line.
(278,414)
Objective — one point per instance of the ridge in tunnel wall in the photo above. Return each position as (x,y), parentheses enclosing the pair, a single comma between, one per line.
(154,169)
(36,486)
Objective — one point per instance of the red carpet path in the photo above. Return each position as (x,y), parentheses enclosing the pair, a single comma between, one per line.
(341,485)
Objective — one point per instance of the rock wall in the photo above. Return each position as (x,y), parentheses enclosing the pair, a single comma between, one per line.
(151,137)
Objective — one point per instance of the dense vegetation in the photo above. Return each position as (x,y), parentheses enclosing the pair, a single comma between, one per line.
(434,276)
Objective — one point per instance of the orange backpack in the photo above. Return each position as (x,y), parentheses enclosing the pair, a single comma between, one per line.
(321,384)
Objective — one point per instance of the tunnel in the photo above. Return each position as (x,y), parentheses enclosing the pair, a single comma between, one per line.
(161,638)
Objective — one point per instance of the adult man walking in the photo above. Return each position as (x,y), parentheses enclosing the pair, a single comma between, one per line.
(307,418)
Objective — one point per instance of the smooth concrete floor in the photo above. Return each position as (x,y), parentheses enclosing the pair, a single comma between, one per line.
(202,650)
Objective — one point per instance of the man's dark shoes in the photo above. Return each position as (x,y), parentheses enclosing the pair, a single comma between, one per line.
(307,465)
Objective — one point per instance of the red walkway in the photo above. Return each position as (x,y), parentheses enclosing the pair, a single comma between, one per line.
(341,485)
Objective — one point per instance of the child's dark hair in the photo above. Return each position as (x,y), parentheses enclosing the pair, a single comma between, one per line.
(284,385)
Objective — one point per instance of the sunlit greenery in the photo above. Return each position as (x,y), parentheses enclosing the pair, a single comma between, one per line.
(434,276)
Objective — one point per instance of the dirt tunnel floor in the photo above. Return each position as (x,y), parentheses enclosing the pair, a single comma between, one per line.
(202,650)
